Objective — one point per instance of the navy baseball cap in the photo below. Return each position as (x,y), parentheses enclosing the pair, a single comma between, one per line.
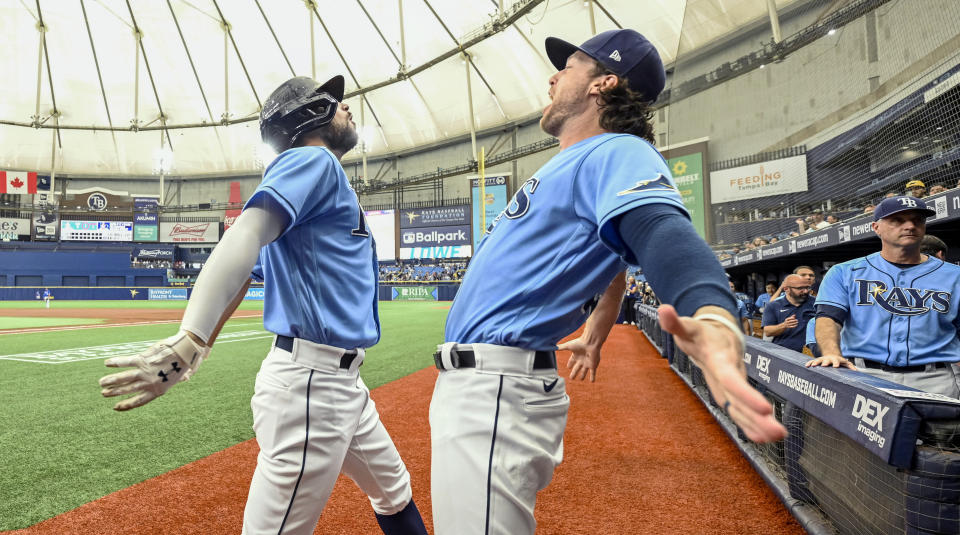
(902,203)
(625,53)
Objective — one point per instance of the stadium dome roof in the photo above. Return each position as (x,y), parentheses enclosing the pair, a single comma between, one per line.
(132,86)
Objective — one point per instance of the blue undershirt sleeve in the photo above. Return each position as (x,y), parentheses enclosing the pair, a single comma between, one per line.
(837,314)
(680,267)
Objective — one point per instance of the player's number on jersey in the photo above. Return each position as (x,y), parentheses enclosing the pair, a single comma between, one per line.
(361,229)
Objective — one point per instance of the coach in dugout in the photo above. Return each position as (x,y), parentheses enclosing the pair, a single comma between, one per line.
(785,320)
(893,313)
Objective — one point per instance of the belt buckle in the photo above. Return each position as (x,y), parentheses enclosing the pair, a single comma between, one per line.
(446,357)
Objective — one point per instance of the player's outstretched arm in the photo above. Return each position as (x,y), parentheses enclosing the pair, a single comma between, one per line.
(827,332)
(717,349)
(214,297)
(585,357)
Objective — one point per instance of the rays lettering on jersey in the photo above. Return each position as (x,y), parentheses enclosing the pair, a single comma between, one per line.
(519,204)
(902,301)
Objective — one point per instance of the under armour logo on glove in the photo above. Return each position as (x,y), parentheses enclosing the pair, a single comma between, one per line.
(173,369)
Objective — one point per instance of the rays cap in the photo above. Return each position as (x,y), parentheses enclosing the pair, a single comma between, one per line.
(624,52)
(902,203)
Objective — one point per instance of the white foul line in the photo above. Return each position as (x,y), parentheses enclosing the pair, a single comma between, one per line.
(28,330)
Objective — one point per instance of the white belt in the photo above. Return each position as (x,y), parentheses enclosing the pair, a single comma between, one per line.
(505,360)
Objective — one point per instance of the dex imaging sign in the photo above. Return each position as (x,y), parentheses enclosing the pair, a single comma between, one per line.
(787,175)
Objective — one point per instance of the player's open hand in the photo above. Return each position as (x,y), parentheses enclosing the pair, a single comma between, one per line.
(584,360)
(830,360)
(155,370)
(719,354)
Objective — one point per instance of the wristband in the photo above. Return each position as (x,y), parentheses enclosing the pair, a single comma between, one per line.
(722,320)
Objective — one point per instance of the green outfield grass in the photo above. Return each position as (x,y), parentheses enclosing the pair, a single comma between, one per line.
(9,322)
(62,445)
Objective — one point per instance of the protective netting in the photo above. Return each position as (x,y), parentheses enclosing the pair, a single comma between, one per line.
(856,101)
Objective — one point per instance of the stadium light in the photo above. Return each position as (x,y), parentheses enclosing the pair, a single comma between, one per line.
(832,31)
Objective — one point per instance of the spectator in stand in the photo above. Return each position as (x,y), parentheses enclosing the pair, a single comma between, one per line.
(774,240)
(631,293)
(916,188)
(812,223)
(891,194)
(786,320)
(831,219)
(900,293)
(869,208)
(764,298)
(741,311)
(934,246)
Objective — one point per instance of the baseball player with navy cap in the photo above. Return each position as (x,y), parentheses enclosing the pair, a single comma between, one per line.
(303,233)
(893,314)
(606,200)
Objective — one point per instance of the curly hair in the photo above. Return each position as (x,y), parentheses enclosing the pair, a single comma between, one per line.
(623,110)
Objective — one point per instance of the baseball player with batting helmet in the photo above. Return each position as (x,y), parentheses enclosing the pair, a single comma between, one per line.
(893,314)
(607,200)
(303,233)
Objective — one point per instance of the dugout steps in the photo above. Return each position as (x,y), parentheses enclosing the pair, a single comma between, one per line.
(835,473)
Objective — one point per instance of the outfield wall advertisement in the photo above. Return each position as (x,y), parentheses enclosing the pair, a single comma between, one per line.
(167,294)
(414,293)
(254,294)
(435,236)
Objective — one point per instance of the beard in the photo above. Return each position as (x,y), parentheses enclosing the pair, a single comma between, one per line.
(340,136)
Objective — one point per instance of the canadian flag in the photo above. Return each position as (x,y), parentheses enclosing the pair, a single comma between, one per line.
(18,182)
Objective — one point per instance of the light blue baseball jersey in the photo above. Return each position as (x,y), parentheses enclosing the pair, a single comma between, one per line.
(554,246)
(320,275)
(900,316)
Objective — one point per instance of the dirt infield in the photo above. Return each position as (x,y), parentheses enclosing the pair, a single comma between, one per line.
(111,316)
(642,455)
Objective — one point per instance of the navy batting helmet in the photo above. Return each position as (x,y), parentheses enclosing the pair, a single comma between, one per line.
(298,106)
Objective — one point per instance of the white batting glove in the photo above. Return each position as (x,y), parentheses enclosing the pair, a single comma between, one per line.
(157,369)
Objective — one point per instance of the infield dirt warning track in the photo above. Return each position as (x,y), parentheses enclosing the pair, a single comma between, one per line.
(642,455)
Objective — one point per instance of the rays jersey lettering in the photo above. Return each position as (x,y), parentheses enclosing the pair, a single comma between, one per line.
(520,203)
(901,316)
(902,301)
(554,246)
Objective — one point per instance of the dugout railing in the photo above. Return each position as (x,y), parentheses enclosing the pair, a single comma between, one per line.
(864,456)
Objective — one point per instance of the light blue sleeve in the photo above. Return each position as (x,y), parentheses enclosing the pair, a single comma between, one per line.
(620,174)
(811,328)
(301,181)
(833,289)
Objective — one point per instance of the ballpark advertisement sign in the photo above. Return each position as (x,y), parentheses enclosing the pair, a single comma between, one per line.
(145,227)
(431,236)
(12,229)
(495,200)
(254,293)
(414,293)
(453,251)
(175,232)
(160,252)
(167,294)
(776,177)
(443,216)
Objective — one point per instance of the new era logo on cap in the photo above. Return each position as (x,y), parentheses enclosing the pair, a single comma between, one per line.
(624,52)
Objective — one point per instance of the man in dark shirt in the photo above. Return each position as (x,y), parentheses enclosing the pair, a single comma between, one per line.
(786,319)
